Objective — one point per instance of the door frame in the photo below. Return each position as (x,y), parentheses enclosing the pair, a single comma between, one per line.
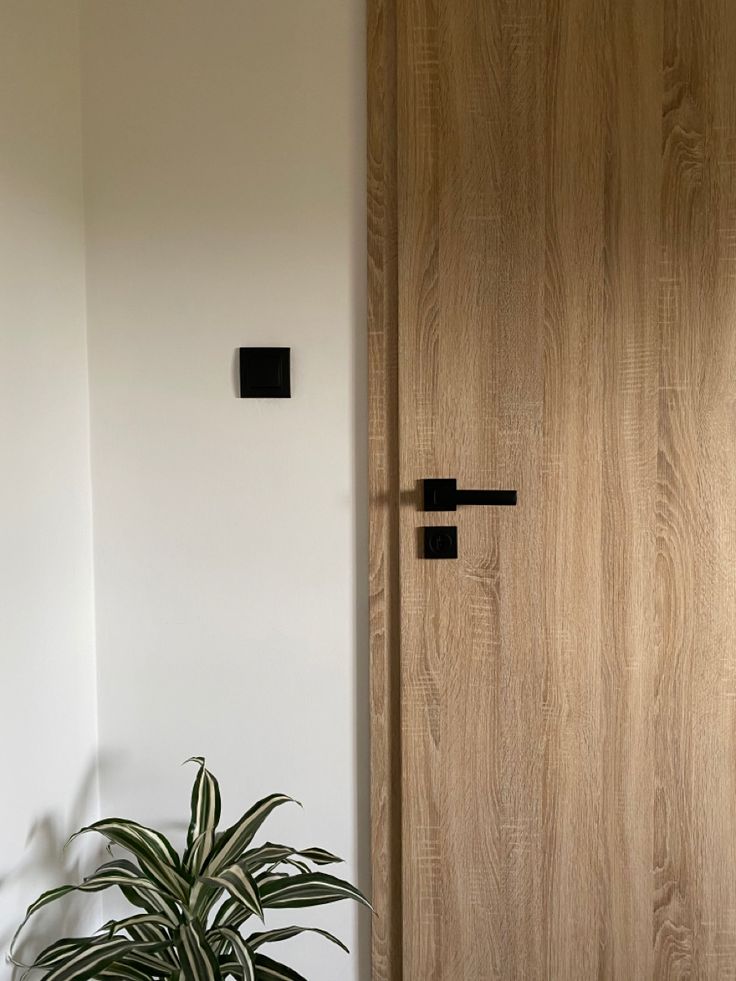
(383,477)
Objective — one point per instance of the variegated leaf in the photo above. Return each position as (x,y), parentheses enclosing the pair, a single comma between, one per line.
(148,933)
(268,970)
(153,963)
(312,889)
(58,952)
(266,855)
(320,856)
(229,848)
(272,855)
(299,866)
(140,891)
(240,885)
(256,940)
(124,972)
(139,920)
(241,952)
(230,968)
(89,961)
(112,874)
(233,842)
(198,962)
(153,850)
(222,915)
(204,817)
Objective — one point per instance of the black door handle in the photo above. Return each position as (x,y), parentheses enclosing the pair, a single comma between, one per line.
(443,495)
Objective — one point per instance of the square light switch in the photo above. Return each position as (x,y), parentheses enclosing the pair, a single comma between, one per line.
(265,373)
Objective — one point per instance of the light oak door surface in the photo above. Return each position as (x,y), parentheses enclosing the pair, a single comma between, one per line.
(553,310)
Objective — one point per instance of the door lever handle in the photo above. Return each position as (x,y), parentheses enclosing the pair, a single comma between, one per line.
(443,495)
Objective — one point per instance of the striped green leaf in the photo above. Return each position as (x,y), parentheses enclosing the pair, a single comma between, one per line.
(312,889)
(58,952)
(153,850)
(230,968)
(167,938)
(204,817)
(147,933)
(153,948)
(294,863)
(240,885)
(320,856)
(241,951)
(140,920)
(124,972)
(152,963)
(268,970)
(197,959)
(256,940)
(89,961)
(140,891)
(111,874)
(229,847)
(267,855)
(230,907)
(271,854)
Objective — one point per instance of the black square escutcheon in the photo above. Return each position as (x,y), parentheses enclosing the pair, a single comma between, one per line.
(440,542)
(264,373)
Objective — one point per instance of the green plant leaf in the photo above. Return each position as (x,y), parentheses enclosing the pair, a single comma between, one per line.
(319,856)
(255,940)
(312,889)
(268,970)
(204,819)
(198,961)
(222,916)
(124,972)
(153,963)
(90,960)
(228,849)
(153,850)
(148,932)
(231,968)
(139,920)
(272,854)
(166,939)
(295,864)
(153,948)
(268,854)
(112,874)
(59,951)
(232,843)
(240,885)
(241,951)
(141,891)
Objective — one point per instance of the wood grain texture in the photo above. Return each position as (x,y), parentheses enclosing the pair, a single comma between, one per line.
(695,912)
(565,192)
(384,493)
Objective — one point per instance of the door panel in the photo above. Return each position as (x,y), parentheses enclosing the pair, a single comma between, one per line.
(566,326)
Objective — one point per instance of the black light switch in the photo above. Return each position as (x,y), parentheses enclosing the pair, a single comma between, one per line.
(264,373)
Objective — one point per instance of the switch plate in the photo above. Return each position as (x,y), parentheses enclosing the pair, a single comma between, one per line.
(265,373)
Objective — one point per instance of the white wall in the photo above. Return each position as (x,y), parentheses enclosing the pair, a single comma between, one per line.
(47,722)
(224,149)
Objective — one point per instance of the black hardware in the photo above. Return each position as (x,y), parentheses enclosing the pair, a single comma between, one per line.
(440,542)
(443,495)
(264,373)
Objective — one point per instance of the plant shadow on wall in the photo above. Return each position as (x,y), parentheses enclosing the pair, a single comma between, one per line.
(192,912)
(45,859)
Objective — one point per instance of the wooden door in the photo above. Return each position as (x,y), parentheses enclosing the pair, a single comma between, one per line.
(552,210)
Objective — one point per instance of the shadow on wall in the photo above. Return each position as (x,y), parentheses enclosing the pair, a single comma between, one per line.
(46,863)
